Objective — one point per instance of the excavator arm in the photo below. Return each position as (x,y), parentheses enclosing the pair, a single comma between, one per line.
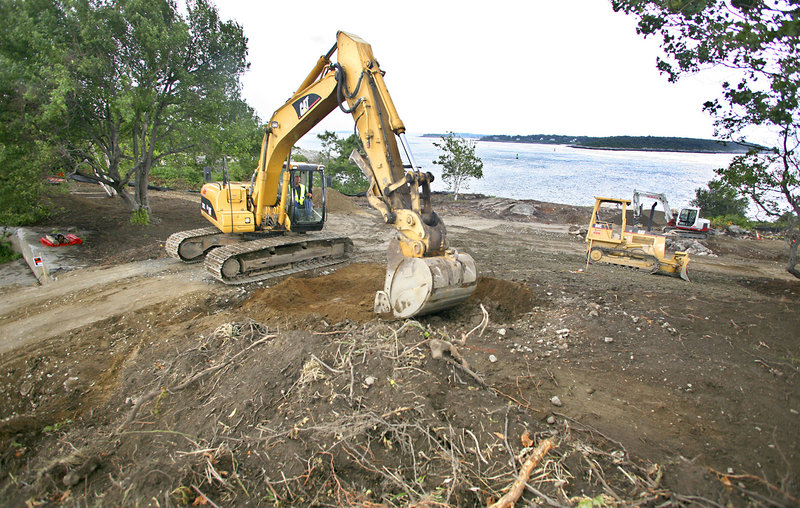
(424,274)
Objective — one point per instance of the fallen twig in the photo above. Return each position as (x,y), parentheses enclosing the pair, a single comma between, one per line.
(482,325)
(760,480)
(212,503)
(514,493)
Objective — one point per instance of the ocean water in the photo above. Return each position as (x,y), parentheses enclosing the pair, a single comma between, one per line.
(573,176)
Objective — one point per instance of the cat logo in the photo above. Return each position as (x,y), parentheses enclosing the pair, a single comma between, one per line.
(304,104)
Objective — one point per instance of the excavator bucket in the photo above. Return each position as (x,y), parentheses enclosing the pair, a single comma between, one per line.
(416,286)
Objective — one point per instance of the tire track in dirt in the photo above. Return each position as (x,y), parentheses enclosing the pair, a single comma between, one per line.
(84,297)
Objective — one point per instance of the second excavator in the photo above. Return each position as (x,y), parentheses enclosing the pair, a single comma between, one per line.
(271,226)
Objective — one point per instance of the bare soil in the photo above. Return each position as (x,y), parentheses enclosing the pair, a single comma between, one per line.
(142,382)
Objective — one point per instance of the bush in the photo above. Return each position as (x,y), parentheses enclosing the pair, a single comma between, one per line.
(22,186)
(719,200)
(6,252)
(140,217)
(177,177)
(723,221)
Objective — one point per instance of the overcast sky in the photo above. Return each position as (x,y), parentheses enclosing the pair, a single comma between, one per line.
(571,67)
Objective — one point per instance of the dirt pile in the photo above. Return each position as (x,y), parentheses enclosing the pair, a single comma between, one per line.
(346,294)
(337,202)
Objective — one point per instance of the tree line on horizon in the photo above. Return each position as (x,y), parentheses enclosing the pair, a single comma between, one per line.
(657,143)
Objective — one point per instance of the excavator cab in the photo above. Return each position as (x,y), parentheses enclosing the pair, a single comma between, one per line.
(306,200)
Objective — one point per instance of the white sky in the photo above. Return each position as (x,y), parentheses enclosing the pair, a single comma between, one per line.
(570,67)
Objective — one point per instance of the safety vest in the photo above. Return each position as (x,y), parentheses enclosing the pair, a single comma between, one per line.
(300,191)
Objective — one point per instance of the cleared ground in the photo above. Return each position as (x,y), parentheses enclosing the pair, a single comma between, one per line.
(140,381)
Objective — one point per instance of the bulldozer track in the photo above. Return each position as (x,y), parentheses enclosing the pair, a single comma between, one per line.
(174,242)
(217,257)
(609,256)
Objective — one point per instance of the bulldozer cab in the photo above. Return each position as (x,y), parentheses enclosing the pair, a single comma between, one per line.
(608,219)
(305,205)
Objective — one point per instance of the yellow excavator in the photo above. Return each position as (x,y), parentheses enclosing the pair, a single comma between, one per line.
(610,240)
(271,226)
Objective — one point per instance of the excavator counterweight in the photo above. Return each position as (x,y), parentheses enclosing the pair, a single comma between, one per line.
(271,226)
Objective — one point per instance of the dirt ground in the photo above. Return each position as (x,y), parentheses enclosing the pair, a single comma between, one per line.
(142,382)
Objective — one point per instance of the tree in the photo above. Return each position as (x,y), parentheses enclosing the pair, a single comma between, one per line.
(335,154)
(459,162)
(761,40)
(179,81)
(32,34)
(128,83)
(719,199)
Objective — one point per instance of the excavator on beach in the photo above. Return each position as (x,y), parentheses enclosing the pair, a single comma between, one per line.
(272,226)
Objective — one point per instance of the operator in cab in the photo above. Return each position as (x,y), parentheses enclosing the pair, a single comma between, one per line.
(302,197)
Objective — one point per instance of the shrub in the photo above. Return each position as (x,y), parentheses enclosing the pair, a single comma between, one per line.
(140,217)
(6,252)
(723,221)
(719,200)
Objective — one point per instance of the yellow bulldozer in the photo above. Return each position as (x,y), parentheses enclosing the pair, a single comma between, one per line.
(611,240)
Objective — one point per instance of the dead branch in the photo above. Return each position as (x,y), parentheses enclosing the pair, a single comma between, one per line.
(439,347)
(758,479)
(514,493)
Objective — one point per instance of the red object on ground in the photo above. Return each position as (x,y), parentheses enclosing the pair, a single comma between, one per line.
(53,240)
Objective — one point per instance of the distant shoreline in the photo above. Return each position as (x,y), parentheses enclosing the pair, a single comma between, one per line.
(620,143)
(667,150)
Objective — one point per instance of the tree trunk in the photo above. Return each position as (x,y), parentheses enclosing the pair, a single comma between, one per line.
(793,238)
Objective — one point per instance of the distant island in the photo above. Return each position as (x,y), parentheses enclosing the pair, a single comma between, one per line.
(638,143)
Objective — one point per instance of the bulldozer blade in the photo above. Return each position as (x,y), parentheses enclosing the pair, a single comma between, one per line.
(416,286)
(684,274)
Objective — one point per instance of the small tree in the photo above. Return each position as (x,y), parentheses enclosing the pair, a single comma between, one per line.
(459,162)
(719,199)
(347,177)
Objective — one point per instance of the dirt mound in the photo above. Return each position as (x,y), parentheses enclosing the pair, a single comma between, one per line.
(347,293)
(504,300)
(337,202)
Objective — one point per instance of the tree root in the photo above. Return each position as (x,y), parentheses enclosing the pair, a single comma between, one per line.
(514,493)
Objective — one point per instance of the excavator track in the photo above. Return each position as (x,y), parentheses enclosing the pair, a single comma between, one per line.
(173,244)
(268,258)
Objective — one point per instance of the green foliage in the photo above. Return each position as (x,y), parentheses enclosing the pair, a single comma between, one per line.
(459,162)
(177,176)
(22,186)
(719,199)
(117,87)
(6,252)
(140,217)
(723,221)
(347,177)
(52,429)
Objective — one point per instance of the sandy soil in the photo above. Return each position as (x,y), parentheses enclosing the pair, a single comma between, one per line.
(140,381)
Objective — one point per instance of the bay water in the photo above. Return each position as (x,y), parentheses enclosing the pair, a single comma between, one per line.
(572,176)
